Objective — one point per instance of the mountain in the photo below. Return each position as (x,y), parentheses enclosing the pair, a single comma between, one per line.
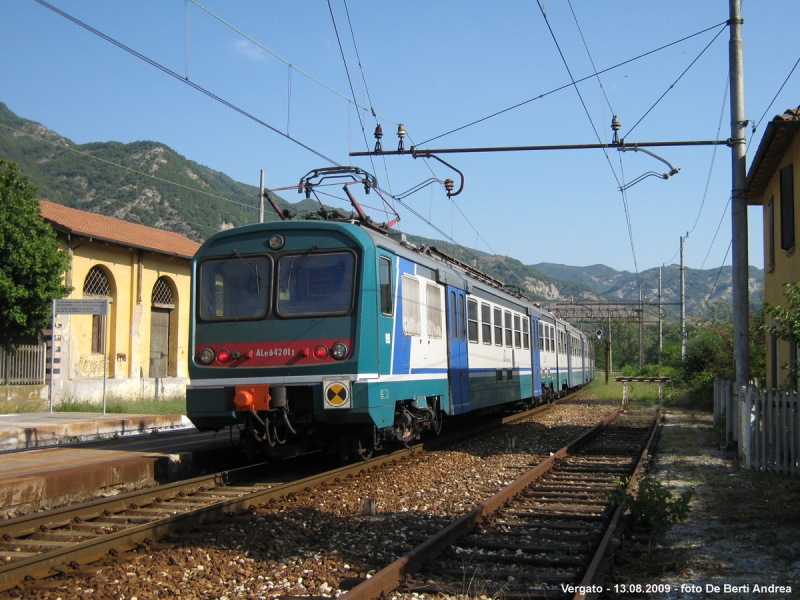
(701,286)
(149,183)
(154,185)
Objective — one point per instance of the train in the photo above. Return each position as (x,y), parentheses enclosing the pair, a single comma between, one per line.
(337,333)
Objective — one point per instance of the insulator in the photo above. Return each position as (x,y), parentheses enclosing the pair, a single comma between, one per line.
(615,123)
(378,131)
(448,185)
(401,133)
(309,187)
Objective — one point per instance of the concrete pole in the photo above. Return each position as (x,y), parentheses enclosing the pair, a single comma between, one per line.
(641,330)
(683,302)
(261,199)
(741,300)
(660,329)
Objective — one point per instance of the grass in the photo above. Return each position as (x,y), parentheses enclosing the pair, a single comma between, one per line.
(642,395)
(141,406)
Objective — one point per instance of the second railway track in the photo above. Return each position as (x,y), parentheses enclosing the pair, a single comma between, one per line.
(543,536)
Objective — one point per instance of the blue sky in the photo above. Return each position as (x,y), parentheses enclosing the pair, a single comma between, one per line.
(433,66)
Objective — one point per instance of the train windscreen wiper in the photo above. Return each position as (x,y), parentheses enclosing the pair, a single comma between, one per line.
(254,271)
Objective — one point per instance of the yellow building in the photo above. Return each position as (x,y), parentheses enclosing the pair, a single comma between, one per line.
(146,275)
(771,184)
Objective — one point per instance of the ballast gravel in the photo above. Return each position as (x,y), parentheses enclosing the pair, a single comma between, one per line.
(317,543)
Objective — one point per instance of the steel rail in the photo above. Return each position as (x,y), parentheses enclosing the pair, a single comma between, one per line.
(50,562)
(81,552)
(391,576)
(593,573)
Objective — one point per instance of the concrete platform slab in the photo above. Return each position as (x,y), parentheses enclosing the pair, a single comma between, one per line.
(37,430)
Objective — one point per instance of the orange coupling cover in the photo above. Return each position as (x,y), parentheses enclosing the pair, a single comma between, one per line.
(252,397)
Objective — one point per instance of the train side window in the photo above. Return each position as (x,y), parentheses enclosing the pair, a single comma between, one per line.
(462,333)
(498,327)
(486,323)
(517,334)
(525,334)
(386,286)
(508,329)
(411,320)
(472,321)
(434,303)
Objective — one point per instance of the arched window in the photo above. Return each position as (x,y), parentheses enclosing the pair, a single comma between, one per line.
(162,294)
(96,285)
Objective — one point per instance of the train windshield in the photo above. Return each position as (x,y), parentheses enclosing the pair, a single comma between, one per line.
(235,288)
(316,284)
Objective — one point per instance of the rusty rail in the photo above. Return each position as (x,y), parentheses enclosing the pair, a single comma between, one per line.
(391,576)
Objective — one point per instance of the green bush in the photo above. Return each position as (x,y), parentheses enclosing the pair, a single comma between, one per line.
(651,505)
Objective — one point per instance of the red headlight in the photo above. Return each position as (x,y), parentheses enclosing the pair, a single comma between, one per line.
(320,352)
(223,356)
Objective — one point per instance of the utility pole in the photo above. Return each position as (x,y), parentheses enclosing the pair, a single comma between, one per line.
(683,302)
(610,363)
(660,330)
(261,199)
(641,329)
(741,302)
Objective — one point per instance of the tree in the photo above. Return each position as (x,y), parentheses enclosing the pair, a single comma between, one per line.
(786,326)
(31,266)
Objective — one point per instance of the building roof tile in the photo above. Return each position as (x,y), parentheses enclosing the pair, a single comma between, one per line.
(780,133)
(87,224)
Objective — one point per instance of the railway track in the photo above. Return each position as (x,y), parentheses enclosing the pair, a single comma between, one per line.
(66,540)
(543,536)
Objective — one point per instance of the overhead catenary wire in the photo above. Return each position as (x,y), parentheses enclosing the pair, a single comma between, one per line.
(597,135)
(350,81)
(172,73)
(568,85)
(667,91)
(724,214)
(589,54)
(713,154)
(713,287)
(780,89)
(286,62)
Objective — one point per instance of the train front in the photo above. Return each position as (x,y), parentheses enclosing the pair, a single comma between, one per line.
(276,334)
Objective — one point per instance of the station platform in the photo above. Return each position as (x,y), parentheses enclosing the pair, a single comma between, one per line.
(51,459)
(20,431)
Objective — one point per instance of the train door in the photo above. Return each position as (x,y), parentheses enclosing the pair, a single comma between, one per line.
(536,358)
(386,304)
(458,367)
(570,362)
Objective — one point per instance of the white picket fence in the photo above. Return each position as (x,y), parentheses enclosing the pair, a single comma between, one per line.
(765,426)
(23,365)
